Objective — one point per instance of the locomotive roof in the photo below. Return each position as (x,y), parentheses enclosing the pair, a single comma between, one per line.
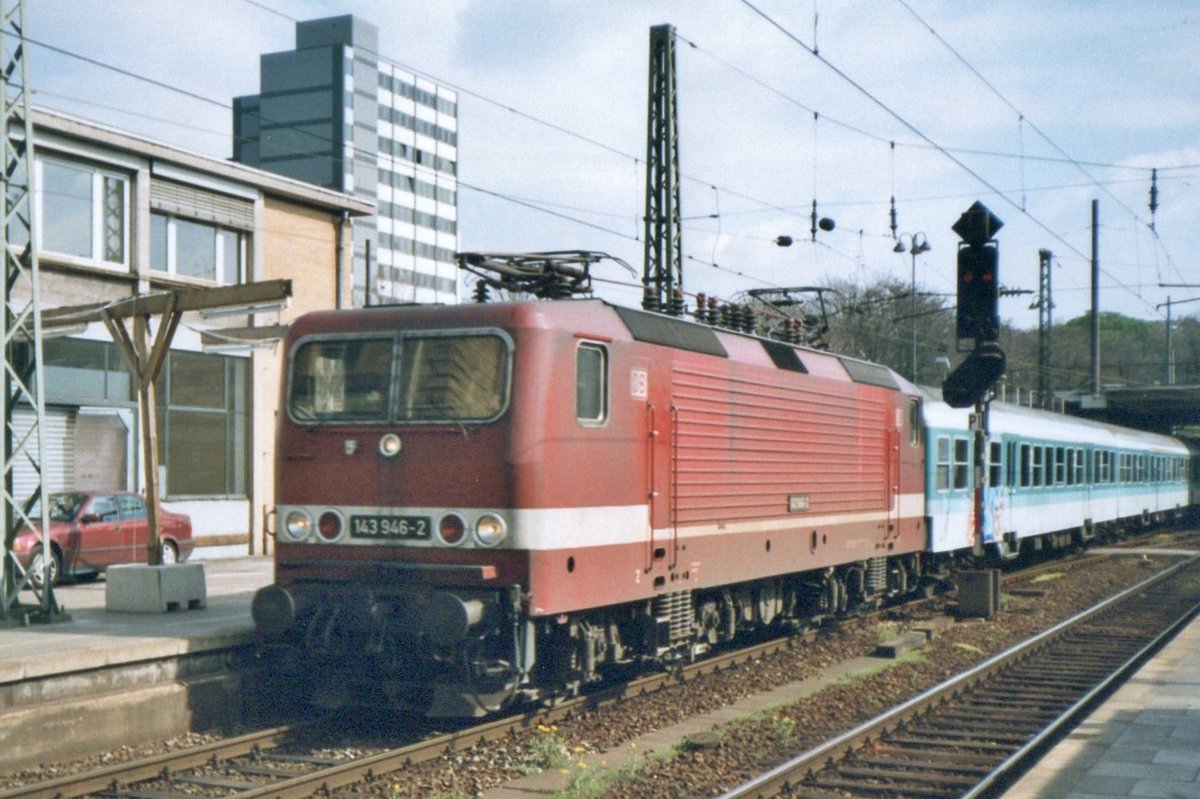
(602,319)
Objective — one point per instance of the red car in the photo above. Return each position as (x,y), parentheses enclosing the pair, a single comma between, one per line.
(90,531)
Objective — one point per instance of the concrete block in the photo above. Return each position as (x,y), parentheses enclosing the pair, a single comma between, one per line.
(901,645)
(979,593)
(139,588)
(932,628)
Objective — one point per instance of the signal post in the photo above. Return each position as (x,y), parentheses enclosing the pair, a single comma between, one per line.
(977,325)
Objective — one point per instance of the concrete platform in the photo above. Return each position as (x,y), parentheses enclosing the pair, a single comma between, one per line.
(87,682)
(1143,742)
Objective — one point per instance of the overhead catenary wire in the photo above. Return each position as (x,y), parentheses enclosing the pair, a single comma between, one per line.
(780,207)
(987,184)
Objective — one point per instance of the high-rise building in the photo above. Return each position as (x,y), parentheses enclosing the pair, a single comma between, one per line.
(335,113)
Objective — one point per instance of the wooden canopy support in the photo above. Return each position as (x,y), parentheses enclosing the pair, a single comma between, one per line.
(145,351)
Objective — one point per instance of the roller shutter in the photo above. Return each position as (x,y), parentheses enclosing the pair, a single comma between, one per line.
(59,466)
(191,202)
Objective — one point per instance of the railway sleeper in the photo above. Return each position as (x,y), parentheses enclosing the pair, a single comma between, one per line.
(931,764)
(900,777)
(920,754)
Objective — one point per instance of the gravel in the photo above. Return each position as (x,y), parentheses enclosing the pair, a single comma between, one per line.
(746,747)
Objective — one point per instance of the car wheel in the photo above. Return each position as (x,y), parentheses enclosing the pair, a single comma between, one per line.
(37,568)
(169,553)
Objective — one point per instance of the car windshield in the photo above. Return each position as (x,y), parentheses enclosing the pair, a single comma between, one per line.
(63,507)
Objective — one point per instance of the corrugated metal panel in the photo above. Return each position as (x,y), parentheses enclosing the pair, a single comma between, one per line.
(59,467)
(197,203)
(744,444)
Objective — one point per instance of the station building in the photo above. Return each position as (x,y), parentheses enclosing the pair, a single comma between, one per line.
(122,215)
(334,112)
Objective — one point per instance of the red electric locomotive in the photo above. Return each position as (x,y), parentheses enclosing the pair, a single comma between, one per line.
(482,503)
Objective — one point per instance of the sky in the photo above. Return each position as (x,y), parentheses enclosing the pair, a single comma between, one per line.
(1036,108)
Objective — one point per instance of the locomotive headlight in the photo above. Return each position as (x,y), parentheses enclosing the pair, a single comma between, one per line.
(297,525)
(490,529)
(389,445)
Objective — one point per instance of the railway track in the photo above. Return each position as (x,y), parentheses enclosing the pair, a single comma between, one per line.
(968,737)
(275,763)
(278,762)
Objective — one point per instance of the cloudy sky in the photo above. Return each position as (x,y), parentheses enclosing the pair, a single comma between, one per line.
(1034,107)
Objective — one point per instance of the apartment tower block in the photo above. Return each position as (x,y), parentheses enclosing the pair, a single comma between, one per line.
(335,113)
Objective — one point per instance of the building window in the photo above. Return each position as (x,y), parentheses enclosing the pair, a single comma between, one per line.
(204,419)
(83,212)
(591,384)
(187,248)
(78,371)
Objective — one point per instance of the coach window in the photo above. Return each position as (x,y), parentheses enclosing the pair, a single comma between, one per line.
(1026,467)
(962,462)
(1038,469)
(591,384)
(995,464)
(943,463)
(1060,466)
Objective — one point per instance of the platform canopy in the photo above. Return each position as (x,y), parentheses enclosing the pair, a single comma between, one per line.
(1162,409)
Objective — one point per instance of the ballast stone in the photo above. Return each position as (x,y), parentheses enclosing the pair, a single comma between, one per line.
(140,588)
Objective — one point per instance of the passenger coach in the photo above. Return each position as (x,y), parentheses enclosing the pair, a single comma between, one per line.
(1048,479)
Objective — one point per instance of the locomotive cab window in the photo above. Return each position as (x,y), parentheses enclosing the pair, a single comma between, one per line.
(417,378)
(591,384)
(344,379)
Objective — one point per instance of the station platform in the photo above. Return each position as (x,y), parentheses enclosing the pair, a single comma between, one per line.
(104,678)
(1143,741)
(94,637)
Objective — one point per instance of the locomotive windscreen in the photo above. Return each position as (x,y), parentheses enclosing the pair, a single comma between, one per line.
(399,379)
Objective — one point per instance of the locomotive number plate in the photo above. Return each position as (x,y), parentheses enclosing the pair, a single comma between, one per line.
(390,526)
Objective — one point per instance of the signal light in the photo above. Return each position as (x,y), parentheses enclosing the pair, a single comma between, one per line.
(978,292)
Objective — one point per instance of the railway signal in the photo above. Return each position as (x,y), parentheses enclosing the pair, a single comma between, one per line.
(978,317)
(978,284)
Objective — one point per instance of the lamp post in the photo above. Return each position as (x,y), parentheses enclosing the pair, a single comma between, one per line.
(917,244)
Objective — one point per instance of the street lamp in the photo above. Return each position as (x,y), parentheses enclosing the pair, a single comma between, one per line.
(917,244)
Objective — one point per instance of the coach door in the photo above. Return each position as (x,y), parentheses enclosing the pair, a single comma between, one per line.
(997,490)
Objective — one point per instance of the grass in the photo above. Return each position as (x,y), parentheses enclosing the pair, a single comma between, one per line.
(915,656)
(1047,577)
(586,782)
(547,751)
(886,631)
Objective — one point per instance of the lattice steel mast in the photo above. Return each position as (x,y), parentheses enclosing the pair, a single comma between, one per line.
(663,276)
(21,332)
